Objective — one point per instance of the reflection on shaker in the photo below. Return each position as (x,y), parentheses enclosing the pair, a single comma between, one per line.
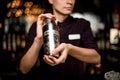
(51,37)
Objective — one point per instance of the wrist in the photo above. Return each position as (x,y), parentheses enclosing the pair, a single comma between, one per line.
(69,48)
(38,39)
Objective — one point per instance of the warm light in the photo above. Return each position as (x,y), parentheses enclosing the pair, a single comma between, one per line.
(8,5)
(0,25)
(9,14)
(17,3)
(18,13)
(13,5)
(27,11)
(28,4)
(29,8)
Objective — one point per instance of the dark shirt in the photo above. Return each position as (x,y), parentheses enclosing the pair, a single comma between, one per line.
(74,31)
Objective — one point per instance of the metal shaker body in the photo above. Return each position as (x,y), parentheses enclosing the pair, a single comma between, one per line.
(50,36)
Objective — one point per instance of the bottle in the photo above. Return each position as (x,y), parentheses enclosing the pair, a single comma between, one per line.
(51,37)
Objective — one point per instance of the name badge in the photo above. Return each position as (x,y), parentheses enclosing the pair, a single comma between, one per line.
(73,36)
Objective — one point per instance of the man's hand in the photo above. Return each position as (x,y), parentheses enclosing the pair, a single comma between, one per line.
(62,50)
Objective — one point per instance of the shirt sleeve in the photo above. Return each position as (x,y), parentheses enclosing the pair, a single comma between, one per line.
(88,38)
(30,37)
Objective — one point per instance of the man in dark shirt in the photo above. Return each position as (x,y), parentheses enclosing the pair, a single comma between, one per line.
(77,46)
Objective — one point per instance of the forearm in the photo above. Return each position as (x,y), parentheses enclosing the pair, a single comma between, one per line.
(84,54)
(30,58)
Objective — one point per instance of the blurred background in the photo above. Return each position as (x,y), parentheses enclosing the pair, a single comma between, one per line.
(16,17)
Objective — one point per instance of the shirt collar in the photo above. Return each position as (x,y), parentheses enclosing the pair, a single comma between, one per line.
(67,21)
